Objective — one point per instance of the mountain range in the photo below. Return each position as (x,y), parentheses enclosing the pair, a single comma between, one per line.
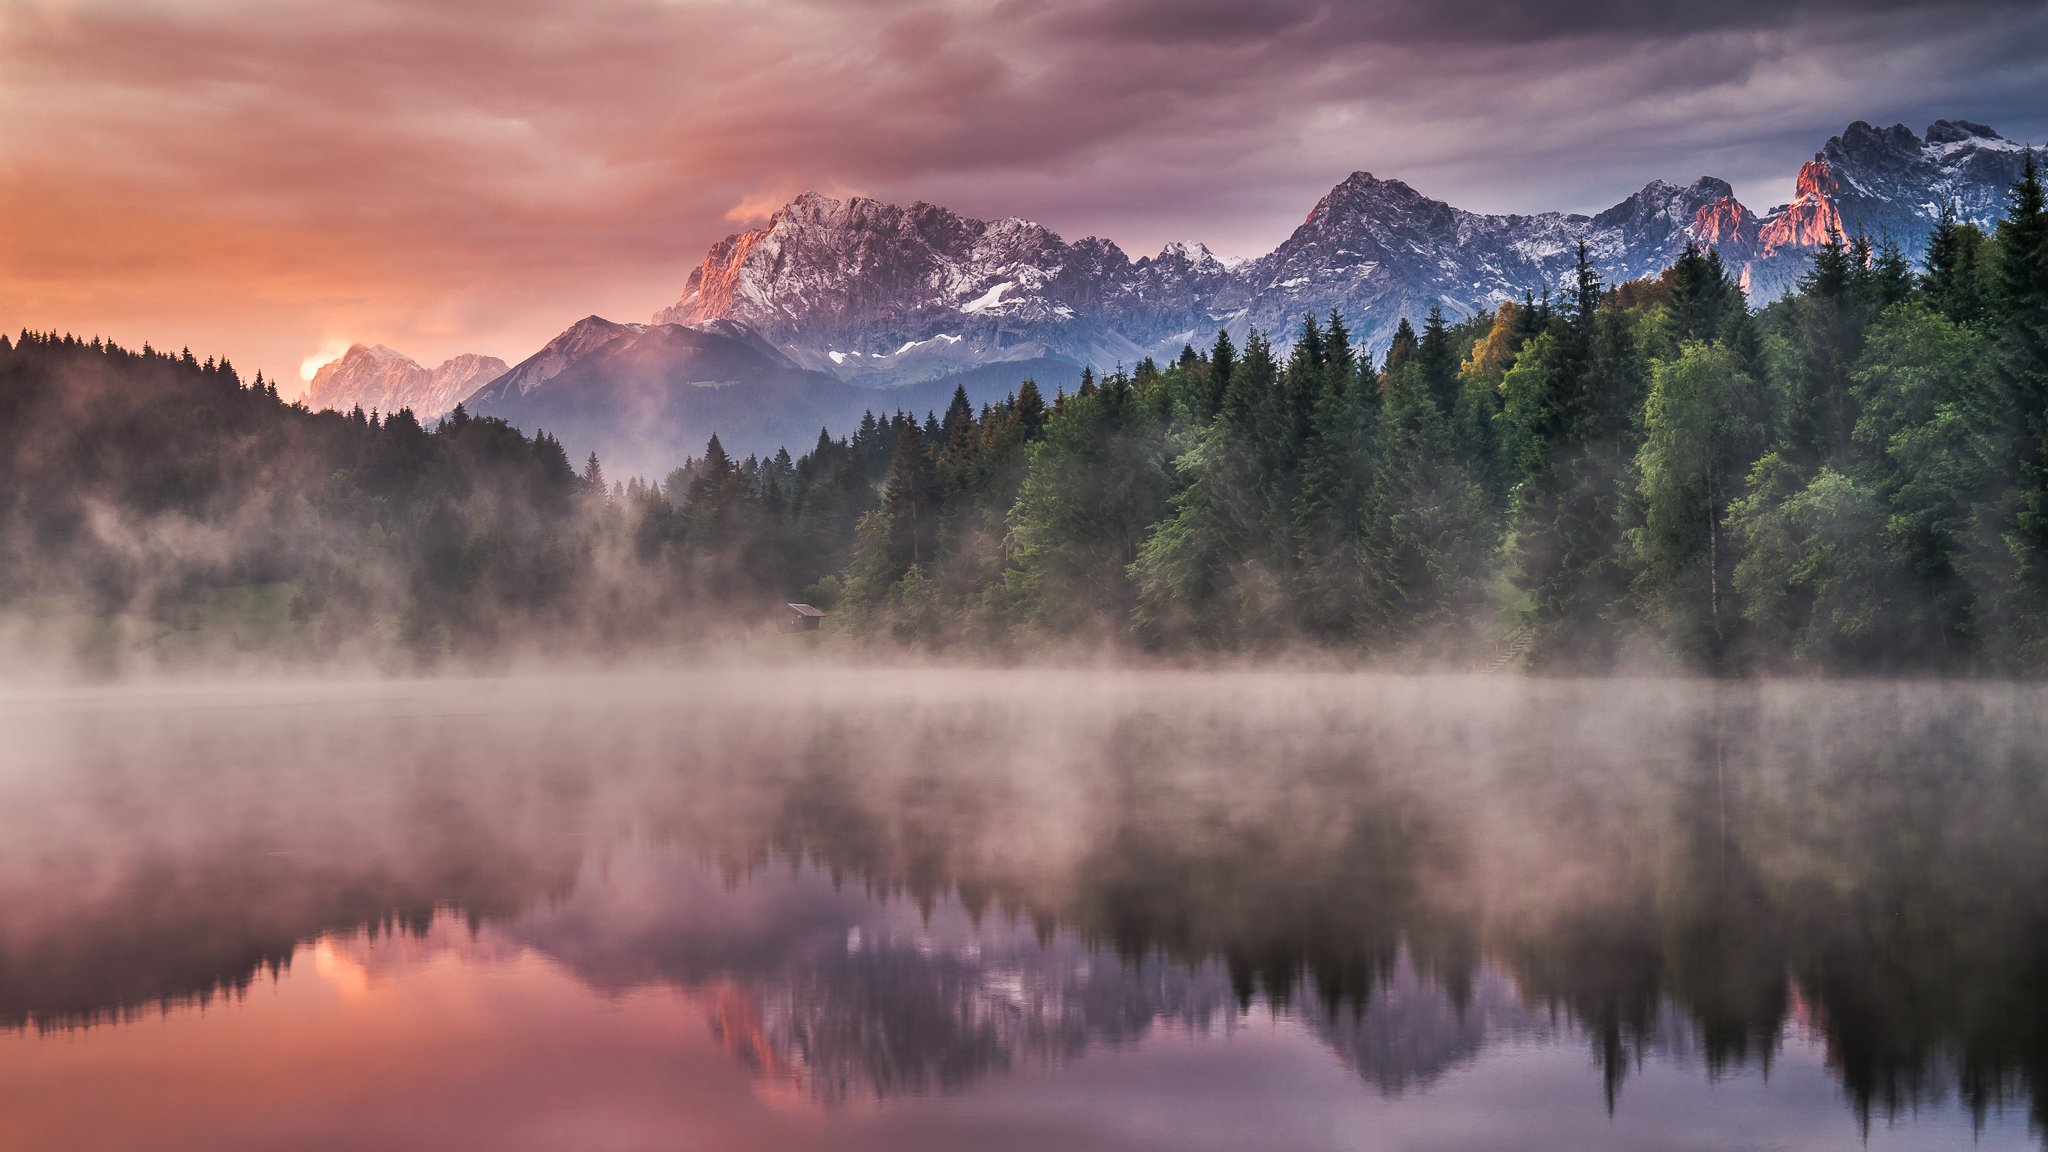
(379,379)
(834,306)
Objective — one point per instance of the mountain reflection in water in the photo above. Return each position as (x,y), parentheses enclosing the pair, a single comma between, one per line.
(866,891)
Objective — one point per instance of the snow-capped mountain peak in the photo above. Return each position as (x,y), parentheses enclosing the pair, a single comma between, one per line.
(844,285)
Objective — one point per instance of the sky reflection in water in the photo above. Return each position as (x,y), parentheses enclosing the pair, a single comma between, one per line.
(782,909)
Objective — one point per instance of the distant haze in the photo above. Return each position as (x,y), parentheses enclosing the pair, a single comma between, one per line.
(269,179)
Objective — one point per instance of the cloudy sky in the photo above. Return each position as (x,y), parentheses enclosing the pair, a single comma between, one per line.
(266,179)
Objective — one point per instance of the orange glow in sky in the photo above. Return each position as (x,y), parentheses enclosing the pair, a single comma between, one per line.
(270,180)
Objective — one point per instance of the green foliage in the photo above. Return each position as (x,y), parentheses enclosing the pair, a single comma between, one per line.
(1957,282)
(1855,477)
(1095,486)
(1705,423)
(1202,575)
(1811,575)
(1933,422)
(1425,546)
(1573,417)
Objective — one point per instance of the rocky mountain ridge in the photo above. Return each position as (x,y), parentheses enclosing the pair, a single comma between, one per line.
(872,292)
(379,379)
(644,396)
(836,306)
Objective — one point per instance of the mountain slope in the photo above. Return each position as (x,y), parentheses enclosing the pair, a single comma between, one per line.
(645,395)
(1377,250)
(838,306)
(871,292)
(378,379)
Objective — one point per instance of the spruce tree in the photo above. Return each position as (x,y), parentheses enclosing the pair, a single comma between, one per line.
(958,456)
(1953,279)
(1400,349)
(2022,305)
(1424,539)
(909,501)
(1571,439)
(1823,327)
(1029,410)
(1330,512)
(1438,363)
(1222,365)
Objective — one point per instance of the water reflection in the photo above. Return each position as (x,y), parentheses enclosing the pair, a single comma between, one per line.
(880,887)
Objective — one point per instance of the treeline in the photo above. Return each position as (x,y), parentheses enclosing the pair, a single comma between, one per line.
(1853,478)
(164,498)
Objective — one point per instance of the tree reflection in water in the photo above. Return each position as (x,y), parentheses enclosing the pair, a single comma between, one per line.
(895,883)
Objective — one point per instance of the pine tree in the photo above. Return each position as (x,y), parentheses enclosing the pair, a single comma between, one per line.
(2022,304)
(1953,282)
(1424,541)
(1438,363)
(910,501)
(710,507)
(1571,439)
(2023,290)
(1029,410)
(1330,512)
(1932,428)
(958,456)
(1701,297)
(1400,350)
(1823,327)
(1222,365)
(1094,488)
(1340,360)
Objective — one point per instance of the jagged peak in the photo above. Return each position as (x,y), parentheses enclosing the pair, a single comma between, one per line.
(381,352)
(838,273)
(1363,181)
(469,363)
(1816,181)
(584,330)
(1863,137)
(1196,252)
(1363,185)
(1702,190)
(1959,131)
(814,203)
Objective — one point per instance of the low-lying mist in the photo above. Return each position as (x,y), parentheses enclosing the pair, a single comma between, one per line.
(1633,478)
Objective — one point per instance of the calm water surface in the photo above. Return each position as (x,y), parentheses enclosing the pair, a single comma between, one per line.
(890,910)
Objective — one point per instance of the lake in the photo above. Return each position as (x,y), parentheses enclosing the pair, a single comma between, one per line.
(784,908)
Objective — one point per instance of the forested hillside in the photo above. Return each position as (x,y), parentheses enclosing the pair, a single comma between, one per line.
(1854,478)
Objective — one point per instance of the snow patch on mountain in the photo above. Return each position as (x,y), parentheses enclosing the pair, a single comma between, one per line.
(862,288)
(990,300)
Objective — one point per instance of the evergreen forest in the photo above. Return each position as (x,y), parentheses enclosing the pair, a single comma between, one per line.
(1647,475)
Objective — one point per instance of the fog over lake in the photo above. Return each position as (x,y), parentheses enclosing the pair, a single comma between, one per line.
(776,908)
